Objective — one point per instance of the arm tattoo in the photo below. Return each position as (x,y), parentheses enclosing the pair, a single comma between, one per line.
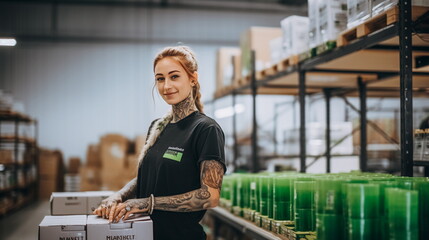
(212,174)
(129,190)
(196,200)
(140,203)
(187,202)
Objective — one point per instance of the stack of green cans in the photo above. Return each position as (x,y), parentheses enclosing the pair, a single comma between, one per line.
(363,210)
(403,215)
(328,208)
(345,206)
(265,185)
(282,207)
(304,205)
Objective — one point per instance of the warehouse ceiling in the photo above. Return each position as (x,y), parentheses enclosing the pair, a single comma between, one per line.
(298,7)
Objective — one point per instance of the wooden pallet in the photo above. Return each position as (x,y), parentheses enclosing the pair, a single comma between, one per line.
(373,24)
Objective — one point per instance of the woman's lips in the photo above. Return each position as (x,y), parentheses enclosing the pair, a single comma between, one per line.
(169,94)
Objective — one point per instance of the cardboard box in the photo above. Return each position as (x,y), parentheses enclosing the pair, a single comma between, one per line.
(114,181)
(50,162)
(63,227)
(90,178)
(132,164)
(236,61)
(225,66)
(139,143)
(113,151)
(6,156)
(258,39)
(69,203)
(74,165)
(93,156)
(100,228)
(94,199)
(388,125)
(47,185)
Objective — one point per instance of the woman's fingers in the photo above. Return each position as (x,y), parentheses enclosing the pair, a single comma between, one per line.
(120,215)
(111,212)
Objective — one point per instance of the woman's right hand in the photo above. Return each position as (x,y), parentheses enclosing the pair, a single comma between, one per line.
(108,206)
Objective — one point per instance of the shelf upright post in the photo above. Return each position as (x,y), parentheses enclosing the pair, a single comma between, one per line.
(363,156)
(328,129)
(234,132)
(302,140)
(406,86)
(255,160)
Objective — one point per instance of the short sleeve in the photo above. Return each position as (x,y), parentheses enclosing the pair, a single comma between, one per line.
(211,145)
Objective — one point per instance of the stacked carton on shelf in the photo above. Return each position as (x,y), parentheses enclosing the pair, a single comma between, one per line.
(257,39)
(50,172)
(90,172)
(295,35)
(225,73)
(113,154)
(332,18)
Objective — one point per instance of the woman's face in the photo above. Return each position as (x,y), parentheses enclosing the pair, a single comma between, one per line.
(173,83)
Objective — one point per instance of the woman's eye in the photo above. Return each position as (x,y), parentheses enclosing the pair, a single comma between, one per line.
(174,76)
(159,79)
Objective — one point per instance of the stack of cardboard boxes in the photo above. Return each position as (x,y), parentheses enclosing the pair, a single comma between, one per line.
(51,172)
(111,164)
(72,219)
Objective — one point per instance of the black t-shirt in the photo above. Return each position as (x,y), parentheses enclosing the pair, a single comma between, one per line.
(172,166)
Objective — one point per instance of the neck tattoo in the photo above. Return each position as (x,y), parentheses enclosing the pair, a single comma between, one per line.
(184,108)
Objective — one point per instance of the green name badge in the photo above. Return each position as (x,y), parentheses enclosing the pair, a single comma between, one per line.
(173,155)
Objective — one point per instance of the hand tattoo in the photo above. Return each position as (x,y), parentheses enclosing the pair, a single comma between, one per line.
(129,190)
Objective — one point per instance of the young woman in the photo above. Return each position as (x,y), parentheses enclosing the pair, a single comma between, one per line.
(182,163)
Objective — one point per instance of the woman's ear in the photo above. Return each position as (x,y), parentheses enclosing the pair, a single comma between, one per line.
(194,79)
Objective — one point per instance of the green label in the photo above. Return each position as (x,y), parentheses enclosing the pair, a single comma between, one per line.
(173,155)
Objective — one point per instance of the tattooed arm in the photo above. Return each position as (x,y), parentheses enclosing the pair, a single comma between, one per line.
(108,205)
(203,198)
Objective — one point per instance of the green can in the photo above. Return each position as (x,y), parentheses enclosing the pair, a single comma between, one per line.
(265,185)
(363,229)
(305,220)
(328,196)
(363,200)
(403,213)
(304,194)
(328,226)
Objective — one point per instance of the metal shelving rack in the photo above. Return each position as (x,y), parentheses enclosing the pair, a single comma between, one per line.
(394,38)
(30,187)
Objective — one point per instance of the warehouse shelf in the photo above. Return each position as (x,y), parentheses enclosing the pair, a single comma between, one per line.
(12,139)
(373,65)
(14,116)
(14,142)
(242,225)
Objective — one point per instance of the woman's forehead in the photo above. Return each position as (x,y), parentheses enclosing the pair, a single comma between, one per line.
(168,64)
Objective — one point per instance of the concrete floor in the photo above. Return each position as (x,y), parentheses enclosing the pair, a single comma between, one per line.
(24,223)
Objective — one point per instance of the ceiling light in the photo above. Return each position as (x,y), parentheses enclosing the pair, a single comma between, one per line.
(7,42)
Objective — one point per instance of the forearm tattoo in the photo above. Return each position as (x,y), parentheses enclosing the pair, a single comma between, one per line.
(187,202)
(140,203)
(129,190)
(200,199)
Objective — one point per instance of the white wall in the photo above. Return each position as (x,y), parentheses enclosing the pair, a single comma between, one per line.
(89,72)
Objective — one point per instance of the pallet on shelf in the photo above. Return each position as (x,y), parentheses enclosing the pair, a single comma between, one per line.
(373,24)
(377,23)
